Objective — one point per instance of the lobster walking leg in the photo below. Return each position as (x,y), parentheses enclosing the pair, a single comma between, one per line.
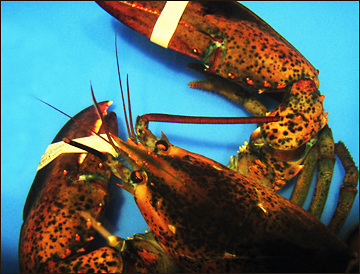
(326,164)
(232,91)
(323,154)
(303,182)
(348,190)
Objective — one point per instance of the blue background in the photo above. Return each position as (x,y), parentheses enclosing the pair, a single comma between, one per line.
(51,50)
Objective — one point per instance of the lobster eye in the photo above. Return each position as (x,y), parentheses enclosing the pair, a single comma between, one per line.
(162,145)
(137,177)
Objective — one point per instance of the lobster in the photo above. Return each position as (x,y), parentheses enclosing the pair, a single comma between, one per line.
(241,54)
(229,261)
(181,196)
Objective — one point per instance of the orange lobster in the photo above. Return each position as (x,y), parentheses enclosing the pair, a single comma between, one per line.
(241,54)
(201,214)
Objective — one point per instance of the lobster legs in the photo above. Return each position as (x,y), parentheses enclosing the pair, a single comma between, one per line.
(319,152)
(348,190)
(322,155)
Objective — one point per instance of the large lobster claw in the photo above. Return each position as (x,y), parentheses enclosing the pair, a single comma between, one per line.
(52,229)
(232,41)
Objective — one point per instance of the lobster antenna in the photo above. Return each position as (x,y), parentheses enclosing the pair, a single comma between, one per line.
(121,89)
(157,117)
(102,118)
(95,152)
(129,105)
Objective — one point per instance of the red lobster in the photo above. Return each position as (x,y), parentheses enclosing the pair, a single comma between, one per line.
(181,196)
(241,54)
(203,215)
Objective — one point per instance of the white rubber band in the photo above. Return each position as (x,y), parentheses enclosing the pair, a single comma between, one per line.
(167,22)
(55,149)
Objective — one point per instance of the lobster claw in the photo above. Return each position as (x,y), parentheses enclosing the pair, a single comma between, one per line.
(70,130)
(142,16)
(231,40)
(70,183)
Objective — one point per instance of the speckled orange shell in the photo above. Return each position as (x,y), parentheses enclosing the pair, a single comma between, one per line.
(235,42)
(52,229)
(208,218)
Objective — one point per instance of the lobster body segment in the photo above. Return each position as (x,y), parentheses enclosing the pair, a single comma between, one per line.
(233,41)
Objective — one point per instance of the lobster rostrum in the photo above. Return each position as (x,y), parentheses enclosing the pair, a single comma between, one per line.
(241,54)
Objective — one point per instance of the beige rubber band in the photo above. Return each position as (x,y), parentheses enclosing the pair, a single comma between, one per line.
(167,22)
(55,149)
